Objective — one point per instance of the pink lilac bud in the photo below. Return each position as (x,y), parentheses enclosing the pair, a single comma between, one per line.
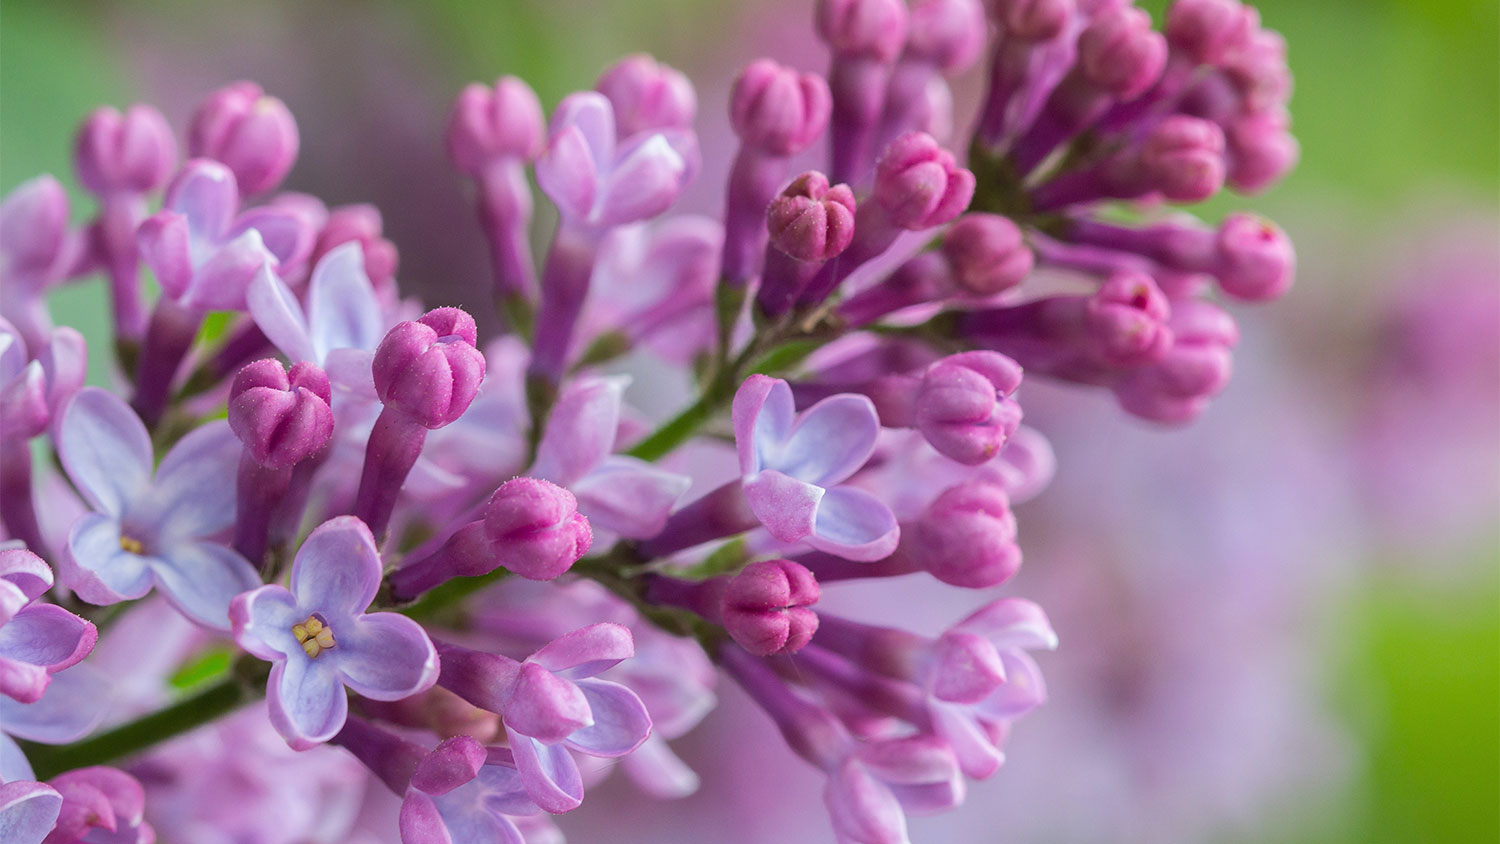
(536,528)
(963,407)
(1034,20)
(1261,150)
(919,184)
(811,220)
(1120,52)
(987,253)
(778,110)
(1259,71)
(864,28)
(282,418)
(359,224)
(34,235)
(767,607)
(429,368)
(489,124)
(1127,319)
(648,95)
(1177,388)
(132,152)
(967,537)
(251,133)
(1207,31)
(1183,158)
(947,33)
(1256,261)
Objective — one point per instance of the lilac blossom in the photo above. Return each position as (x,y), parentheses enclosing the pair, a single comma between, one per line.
(37,250)
(319,638)
(28,811)
(150,528)
(37,640)
(100,806)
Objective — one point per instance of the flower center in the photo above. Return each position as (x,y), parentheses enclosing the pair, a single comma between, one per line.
(131,544)
(314,634)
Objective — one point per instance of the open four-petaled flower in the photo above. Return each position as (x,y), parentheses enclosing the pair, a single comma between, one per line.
(320,638)
(792,464)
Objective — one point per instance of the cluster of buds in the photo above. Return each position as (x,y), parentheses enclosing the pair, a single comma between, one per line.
(421,543)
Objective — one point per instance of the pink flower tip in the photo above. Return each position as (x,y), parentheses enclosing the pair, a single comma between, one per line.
(874,29)
(777,109)
(1121,53)
(250,132)
(811,220)
(647,95)
(1183,158)
(967,537)
(948,33)
(1256,258)
(535,528)
(429,368)
(1127,317)
(767,607)
(282,418)
(1208,31)
(987,253)
(919,184)
(963,405)
(488,124)
(132,152)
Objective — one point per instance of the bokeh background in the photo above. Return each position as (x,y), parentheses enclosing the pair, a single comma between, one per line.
(1281,624)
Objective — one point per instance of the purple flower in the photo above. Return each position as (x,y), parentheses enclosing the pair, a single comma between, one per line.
(463,793)
(320,638)
(623,495)
(205,252)
(791,464)
(36,248)
(100,805)
(36,640)
(28,810)
(252,133)
(150,529)
(32,391)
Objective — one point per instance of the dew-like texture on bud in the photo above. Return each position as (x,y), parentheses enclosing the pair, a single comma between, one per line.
(919,184)
(967,537)
(1183,158)
(487,124)
(873,29)
(535,528)
(987,253)
(963,406)
(130,152)
(282,418)
(1121,53)
(767,607)
(250,132)
(647,95)
(777,109)
(429,368)
(1256,259)
(811,220)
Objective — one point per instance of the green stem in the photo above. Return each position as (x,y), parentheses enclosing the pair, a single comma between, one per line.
(439,598)
(146,731)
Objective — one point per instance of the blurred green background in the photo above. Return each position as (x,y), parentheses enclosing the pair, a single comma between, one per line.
(1397,108)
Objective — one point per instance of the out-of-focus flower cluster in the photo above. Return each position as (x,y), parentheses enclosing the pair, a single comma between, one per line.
(470,564)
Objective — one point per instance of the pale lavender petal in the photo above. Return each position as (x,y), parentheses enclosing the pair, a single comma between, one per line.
(279,316)
(166,246)
(581,429)
(201,578)
(21,681)
(629,496)
(568,173)
(351,371)
(1023,691)
(105,449)
(205,192)
(863,808)
(501,782)
(977,753)
(306,701)
(192,484)
(643,183)
(23,403)
(420,822)
(830,440)
(342,311)
(620,720)
(65,360)
(12,599)
(592,115)
(1012,623)
(551,776)
(13,763)
(786,506)
(47,635)
(337,570)
(97,568)
(452,763)
(855,525)
(28,811)
(73,705)
(656,770)
(222,282)
(262,620)
(762,414)
(13,356)
(385,656)
(286,235)
(586,651)
(26,572)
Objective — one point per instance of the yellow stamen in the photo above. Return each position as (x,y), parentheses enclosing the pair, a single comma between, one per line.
(131,544)
(314,636)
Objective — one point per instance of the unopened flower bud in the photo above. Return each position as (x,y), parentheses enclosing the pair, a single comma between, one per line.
(1034,20)
(810,220)
(963,406)
(778,110)
(1207,31)
(282,418)
(249,132)
(34,227)
(535,529)
(1177,388)
(987,253)
(873,29)
(647,94)
(545,706)
(492,123)
(361,224)
(429,368)
(965,667)
(1183,158)
(919,184)
(1127,317)
(967,537)
(132,152)
(948,33)
(767,607)
(1121,53)
(1256,261)
(1261,150)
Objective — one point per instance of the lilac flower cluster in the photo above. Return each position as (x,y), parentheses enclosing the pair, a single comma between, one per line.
(468,564)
